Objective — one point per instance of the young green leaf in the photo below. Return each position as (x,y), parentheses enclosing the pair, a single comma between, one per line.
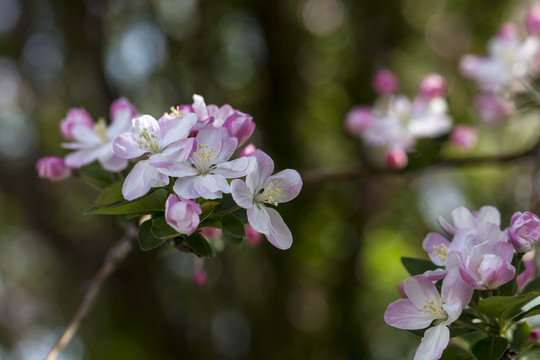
(505,307)
(112,194)
(233,229)
(155,201)
(162,230)
(456,352)
(200,245)
(147,241)
(491,348)
(417,266)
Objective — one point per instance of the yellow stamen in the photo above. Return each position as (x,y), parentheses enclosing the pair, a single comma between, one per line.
(441,251)
(100,128)
(203,157)
(434,306)
(270,194)
(148,141)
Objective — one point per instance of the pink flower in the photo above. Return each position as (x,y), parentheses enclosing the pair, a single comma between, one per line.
(385,82)
(253,238)
(464,136)
(432,86)
(487,266)
(358,119)
(524,231)
(463,219)
(182,214)
(166,143)
(52,168)
(206,171)
(248,150)
(396,158)
(240,125)
(94,141)
(423,305)
(526,276)
(261,188)
(199,277)
(492,108)
(532,20)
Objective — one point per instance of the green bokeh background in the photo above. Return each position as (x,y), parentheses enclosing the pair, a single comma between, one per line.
(297,67)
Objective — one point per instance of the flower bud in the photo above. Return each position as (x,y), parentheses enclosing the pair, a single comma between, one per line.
(524,231)
(533,337)
(396,158)
(357,119)
(182,214)
(240,125)
(431,86)
(248,150)
(52,168)
(75,117)
(253,237)
(532,20)
(492,109)
(385,82)
(464,136)
(199,277)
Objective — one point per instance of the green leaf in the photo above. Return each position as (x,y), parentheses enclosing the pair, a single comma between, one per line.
(147,241)
(456,352)
(152,202)
(532,286)
(531,312)
(211,221)
(96,174)
(207,208)
(519,336)
(233,229)
(417,266)
(110,195)
(505,307)
(491,348)
(162,230)
(200,245)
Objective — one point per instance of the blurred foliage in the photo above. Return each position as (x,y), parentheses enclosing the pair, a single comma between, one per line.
(297,67)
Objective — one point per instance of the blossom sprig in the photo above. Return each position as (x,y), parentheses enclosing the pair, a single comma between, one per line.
(510,68)
(176,174)
(395,122)
(477,281)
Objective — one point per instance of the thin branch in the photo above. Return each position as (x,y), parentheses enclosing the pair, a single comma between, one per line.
(357,172)
(114,257)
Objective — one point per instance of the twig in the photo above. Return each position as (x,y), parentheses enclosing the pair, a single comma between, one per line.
(114,257)
(357,172)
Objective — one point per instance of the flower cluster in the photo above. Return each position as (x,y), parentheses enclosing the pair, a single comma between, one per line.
(177,169)
(475,260)
(395,122)
(509,68)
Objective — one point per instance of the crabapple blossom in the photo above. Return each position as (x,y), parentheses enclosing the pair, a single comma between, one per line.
(492,108)
(432,86)
(52,168)
(385,82)
(207,169)
(532,20)
(463,219)
(524,231)
(464,136)
(164,141)
(182,214)
(396,159)
(261,188)
(424,305)
(94,141)
(358,119)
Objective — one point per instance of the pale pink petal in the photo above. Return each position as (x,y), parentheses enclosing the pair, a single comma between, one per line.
(234,169)
(173,129)
(199,106)
(463,219)
(402,314)
(228,146)
(420,289)
(241,194)
(279,233)
(212,137)
(122,110)
(111,162)
(141,179)
(126,147)
(179,170)
(431,243)
(447,228)
(221,115)
(258,218)
(433,343)
(435,275)
(489,214)
(289,181)
(82,157)
(185,187)
(256,179)
(85,135)
(212,186)
(146,122)
(454,288)
(174,153)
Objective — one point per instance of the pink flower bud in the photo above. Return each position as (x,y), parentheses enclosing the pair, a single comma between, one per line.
(248,150)
(52,168)
(431,86)
(492,109)
(464,136)
(210,232)
(524,231)
(508,32)
(240,125)
(396,158)
(182,214)
(358,119)
(253,238)
(122,107)
(532,20)
(533,337)
(75,117)
(199,277)
(385,82)
(526,276)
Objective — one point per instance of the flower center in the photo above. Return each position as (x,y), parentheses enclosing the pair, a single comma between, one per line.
(202,158)
(148,141)
(175,112)
(271,194)
(100,128)
(441,251)
(434,307)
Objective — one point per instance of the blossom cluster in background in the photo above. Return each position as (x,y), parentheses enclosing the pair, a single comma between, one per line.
(486,280)
(509,68)
(177,169)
